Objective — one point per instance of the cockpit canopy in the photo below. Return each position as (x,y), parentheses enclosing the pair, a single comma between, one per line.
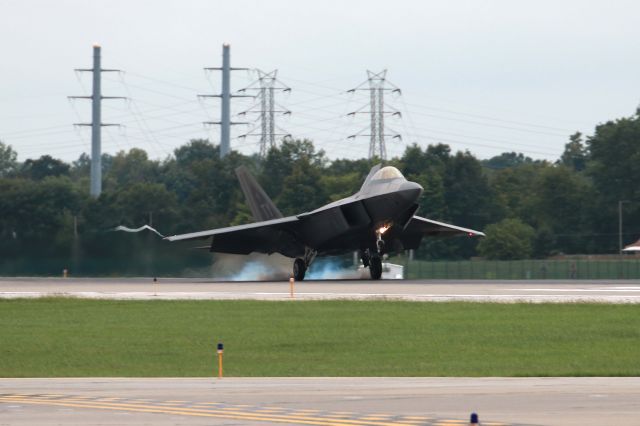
(387,172)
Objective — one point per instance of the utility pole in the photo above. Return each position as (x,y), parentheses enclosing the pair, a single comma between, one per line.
(225,115)
(96,120)
(377,84)
(266,86)
(620,203)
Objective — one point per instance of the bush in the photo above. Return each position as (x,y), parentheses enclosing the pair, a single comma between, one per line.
(506,240)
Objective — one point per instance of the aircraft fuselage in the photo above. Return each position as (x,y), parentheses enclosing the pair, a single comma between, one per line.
(351,223)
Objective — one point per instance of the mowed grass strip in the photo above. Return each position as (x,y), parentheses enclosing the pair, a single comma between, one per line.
(59,337)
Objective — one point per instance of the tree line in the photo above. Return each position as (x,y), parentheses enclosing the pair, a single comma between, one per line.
(528,208)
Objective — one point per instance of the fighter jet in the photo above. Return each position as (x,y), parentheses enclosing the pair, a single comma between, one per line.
(378,219)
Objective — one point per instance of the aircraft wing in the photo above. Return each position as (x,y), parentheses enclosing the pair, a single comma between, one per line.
(268,236)
(419,227)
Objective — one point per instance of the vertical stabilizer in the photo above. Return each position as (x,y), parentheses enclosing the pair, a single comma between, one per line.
(372,172)
(259,202)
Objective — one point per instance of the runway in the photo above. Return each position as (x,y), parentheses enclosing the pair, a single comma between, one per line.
(320,401)
(530,291)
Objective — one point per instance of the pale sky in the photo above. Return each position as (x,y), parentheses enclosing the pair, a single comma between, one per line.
(483,76)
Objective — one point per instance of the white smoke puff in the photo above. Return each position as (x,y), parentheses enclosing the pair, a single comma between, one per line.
(275,267)
(331,269)
(252,267)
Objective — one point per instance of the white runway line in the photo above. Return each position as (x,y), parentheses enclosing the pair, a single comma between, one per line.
(604,289)
(626,288)
(284,296)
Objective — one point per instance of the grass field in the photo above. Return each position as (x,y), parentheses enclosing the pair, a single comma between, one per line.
(71,337)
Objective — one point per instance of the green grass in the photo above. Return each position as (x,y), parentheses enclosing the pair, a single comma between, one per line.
(72,337)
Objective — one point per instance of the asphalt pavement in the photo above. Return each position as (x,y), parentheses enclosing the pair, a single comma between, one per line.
(320,401)
(534,291)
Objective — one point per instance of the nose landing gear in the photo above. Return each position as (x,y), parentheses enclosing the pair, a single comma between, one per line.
(374,260)
(375,267)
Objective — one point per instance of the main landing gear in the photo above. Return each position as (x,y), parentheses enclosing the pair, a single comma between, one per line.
(299,269)
(300,265)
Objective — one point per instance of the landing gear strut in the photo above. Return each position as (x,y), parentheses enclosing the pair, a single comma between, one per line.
(300,266)
(375,259)
(379,242)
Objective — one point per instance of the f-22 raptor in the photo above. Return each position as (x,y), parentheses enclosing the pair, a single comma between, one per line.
(379,218)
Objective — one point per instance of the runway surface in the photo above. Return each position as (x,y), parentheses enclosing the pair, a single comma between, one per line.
(605,291)
(321,401)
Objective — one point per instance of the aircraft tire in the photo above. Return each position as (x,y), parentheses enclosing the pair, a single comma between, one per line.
(299,269)
(375,267)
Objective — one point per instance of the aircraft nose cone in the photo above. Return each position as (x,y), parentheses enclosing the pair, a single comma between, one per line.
(411,191)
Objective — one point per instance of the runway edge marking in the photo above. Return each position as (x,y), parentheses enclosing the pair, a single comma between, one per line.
(293,417)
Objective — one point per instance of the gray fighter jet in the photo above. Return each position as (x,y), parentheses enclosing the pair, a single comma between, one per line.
(377,219)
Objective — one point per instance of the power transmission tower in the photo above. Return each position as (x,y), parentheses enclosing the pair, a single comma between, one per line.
(225,115)
(96,120)
(377,85)
(266,86)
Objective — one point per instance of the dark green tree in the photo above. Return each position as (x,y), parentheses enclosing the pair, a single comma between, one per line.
(468,196)
(507,160)
(507,240)
(575,153)
(514,192)
(8,160)
(614,157)
(147,203)
(562,203)
(131,167)
(280,162)
(31,212)
(195,150)
(178,173)
(302,190)
(43,167)
(81,168)
(340,186)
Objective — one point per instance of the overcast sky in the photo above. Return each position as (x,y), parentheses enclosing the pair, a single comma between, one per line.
(483,76)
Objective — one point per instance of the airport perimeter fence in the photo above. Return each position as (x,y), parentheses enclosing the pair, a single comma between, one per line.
(556,269)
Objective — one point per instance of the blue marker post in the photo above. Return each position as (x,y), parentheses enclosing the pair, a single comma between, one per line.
(473,421)
(220,352)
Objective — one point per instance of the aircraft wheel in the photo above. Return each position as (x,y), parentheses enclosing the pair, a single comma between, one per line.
(299,269)
(375,267)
